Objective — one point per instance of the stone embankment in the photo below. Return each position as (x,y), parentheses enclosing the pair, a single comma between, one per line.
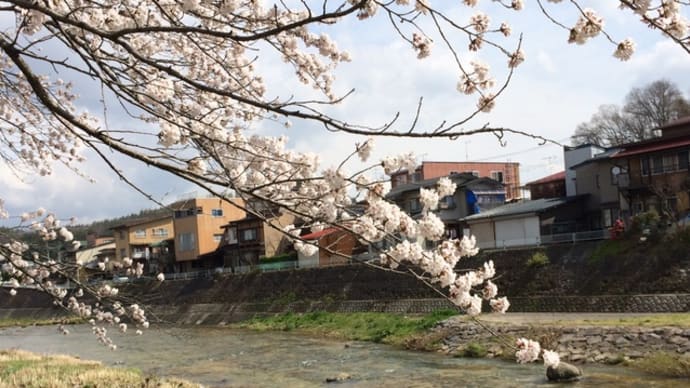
(578,344)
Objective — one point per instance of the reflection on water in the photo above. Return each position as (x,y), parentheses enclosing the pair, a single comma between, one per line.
(221,357)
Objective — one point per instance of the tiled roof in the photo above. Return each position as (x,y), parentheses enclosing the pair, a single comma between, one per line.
(550,178)
(319,234)
(656,146)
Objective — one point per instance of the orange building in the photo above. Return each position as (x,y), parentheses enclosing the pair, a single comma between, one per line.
(198,226)
(142,240)
(507,173)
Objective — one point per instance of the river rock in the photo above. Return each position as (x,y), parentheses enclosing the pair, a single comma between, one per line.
(340,377)
(563,372)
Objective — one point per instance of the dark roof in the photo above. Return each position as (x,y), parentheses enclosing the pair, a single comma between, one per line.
(549,178)
(655,146)
(461,180)
(139,221)
(525,207)
(608,154)
(676,123)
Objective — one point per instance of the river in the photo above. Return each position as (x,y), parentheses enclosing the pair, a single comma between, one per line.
(223,357)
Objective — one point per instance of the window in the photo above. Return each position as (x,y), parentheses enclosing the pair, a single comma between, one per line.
(188,212)
(657,164)
(248,234)
(638,207)
(671,204)
(644,161)
(186,241)
(606,218)
(416,177)
(669,163)
(683,160)
(415,206)
(217,212)
(159,232)
(497,176)
(475,173)
(217,238)
(596,180)
(447,202)
(122,234)
(123,253)
(140,233)
(400,179)
(231,235)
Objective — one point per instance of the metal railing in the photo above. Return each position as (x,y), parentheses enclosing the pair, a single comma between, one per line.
(558,238)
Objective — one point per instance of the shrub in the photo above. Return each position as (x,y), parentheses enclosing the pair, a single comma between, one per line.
(474,350)
(538,259)
(665,364)
(606,249)
(291,256)
(647,220)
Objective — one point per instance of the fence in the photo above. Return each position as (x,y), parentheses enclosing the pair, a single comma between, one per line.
(560,238)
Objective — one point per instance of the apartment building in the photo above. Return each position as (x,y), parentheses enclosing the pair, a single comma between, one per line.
(198,225)
(507,173)
(249,239)
(143,240)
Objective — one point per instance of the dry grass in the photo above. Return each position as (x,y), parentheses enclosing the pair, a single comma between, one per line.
(19,368)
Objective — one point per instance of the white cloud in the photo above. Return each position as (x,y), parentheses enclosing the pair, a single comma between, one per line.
(558,86)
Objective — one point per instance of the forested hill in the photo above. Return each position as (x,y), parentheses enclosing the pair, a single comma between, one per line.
(102,227)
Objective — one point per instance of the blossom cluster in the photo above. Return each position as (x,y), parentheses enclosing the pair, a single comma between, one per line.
(27,267)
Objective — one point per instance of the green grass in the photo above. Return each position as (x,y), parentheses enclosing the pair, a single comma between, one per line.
(608,249)
(13,322)
(664,364)
(374,327)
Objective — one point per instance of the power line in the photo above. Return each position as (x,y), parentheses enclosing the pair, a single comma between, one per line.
(518,152)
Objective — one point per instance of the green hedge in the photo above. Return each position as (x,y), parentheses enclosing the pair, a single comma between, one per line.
(292,256)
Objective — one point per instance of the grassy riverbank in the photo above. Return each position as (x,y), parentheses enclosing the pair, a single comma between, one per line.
(413,332)
(375,327)
(21,322)
(19,368)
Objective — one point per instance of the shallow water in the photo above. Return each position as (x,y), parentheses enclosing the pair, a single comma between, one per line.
(222,357)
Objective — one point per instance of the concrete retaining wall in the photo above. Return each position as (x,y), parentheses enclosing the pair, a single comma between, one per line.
(215,313)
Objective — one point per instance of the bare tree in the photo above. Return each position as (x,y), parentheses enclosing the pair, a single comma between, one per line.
(646,109)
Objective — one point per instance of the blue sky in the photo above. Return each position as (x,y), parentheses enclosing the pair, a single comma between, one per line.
(557,87)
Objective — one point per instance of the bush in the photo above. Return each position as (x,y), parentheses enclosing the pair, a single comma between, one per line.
(605,250)
(665,364)
(538,259)
(291,256)
(474,350)
(647,220)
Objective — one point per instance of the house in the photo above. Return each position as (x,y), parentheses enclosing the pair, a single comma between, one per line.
(473,195)
(597,178)
(526,223)
(87,259)
(247,240)
(507,173)
(654,174)
(93,239)
(551,186)
(145,241)
(198,229)
(336,247)
(573,156)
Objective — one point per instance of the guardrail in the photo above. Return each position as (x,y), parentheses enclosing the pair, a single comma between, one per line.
(559,238)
